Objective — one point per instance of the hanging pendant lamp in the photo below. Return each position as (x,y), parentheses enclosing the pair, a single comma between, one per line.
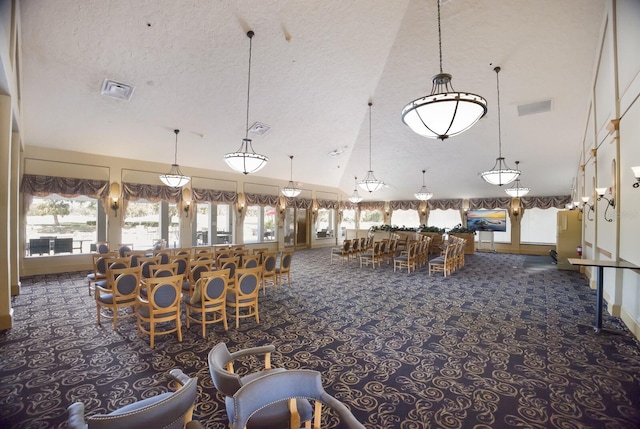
(174,177)
(500,174)
(423,194)
(517,191)
(245,160)
(355,197)
(444,112)
(290,190)
(370,183)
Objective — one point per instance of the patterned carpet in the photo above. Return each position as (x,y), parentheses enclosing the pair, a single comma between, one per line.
(505,342)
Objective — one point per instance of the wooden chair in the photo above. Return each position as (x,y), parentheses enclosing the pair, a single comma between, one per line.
(284,270)
(165,270)
(407,259)
(121,293)
(99,268)
(381,255)
(251,261)
(161,305)
(182,261)
(102,247)
(291,385)
(443,263)
(231,264)
(369,257)
(245,294)
(135,256)
(208,304)
(342,253)
(164,254)
(269,271)
(146,263)
(196,269)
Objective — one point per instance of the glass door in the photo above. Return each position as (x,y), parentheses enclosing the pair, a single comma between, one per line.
(296,228)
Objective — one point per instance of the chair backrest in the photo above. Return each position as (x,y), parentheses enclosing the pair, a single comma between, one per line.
(287,385)
(196,269)
(119,263)
(269,263)
(182,261)
(146,263)
(285,261)
(101,262)
(164,295)
(170,410)
(346,245)
(102,247)
(213,286)
(226,382)
(164,270)
(250,261)
(125,282)
(165,255)
(247,283)
(230,264)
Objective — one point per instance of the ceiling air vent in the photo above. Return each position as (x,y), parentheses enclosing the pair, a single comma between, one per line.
(259,128)
(114,89)
(534,108)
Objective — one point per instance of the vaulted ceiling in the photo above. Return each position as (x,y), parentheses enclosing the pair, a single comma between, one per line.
(315,66)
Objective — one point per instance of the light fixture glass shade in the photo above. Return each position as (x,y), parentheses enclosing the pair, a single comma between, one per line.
(290,190)
(444,112)
(585,200)
(601,191)
(355,198)
(500,174)
(517,191)
(636,171)
(423,194)
(245,160)
(370,183)
(174,177)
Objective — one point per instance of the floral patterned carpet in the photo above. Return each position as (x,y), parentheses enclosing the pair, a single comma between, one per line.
(504,342)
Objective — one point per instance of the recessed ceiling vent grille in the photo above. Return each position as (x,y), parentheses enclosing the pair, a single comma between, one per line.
(114,89)
(534,108)
(259,128)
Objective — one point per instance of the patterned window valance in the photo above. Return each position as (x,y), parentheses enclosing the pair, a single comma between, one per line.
(444,204)
(262,200)
(371,205)
(41,186)
(151,193)
(327,204)
(558,202)
(489,203)
(404,205)
(348,205)
(299,203)
(213,196)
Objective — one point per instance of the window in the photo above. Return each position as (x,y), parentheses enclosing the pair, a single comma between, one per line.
(444,218)
(61,226)
(142,224)
(213,224)
(348,222)
(259,224)
(369,218)
(539,226)
(408,218)
(325,222)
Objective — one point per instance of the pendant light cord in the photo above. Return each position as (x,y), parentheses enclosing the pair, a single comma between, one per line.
(175,152)
(370,104)
(439,37)
(497,70)
(250,36)
(291,168)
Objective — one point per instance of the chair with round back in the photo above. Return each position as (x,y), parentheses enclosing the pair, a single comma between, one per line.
(284,270)
(208,304)
(162,304)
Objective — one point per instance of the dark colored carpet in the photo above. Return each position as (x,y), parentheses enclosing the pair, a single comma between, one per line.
(505,342)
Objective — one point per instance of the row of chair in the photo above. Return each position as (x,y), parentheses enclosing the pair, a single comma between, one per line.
(265,397)
(416,255)
(451,258)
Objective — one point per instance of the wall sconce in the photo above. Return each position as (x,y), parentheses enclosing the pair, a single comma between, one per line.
(585,202)
(610,202)
(186,200)
(516,211)
(636,172)
(114,194)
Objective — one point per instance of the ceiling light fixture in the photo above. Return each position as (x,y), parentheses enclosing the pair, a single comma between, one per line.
(500,174)
(517,191)
(636,174)
(174,177)
(355,198)
(290,190)
(423,194)
(444,112)
(246,160)
(370,183)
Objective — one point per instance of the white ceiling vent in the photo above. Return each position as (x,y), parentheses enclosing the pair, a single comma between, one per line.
(534,108)
(114,89)
(259,128)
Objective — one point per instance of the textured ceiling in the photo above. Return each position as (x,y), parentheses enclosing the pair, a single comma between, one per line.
(315,66)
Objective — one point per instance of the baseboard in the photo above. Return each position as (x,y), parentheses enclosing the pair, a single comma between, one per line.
(15,289)
(6,320)
(631,323)
(614,309)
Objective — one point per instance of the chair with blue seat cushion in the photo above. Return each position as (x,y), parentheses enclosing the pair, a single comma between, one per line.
(208,304)
(99,269)
(171,410)
(120,294)
(343,253)
(227,381)
(195,270)
(242,297)
(284,269)
(290,386)
(161,305)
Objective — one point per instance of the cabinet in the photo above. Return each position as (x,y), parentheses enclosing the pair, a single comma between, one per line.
(568,237)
